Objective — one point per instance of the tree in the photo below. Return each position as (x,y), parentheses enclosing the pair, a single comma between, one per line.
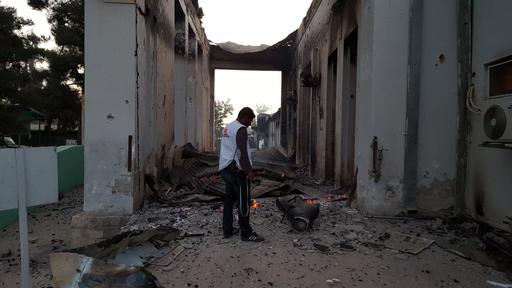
(222,110)
(262,108)
(65,78)
(20,81)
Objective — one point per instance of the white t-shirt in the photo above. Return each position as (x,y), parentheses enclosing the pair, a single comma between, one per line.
(228,148)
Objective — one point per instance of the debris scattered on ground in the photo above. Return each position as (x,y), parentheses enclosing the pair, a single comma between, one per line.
(404,242)
(322,248)
(71,270)
(135,248)
(169,257)
(200,257)
(194,177)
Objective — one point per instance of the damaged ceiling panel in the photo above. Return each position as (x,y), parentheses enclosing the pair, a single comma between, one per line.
(234,56)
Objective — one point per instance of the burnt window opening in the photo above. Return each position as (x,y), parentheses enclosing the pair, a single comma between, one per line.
(192,42)
(500,78)
(179,24)
(308,79)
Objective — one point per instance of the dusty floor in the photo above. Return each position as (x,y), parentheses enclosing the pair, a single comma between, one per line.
(284,259)
(49,230)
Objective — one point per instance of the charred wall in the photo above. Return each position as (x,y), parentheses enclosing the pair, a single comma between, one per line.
(130,105)
(354,125)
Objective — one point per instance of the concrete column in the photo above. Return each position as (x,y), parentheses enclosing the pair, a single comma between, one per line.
(381,104)
(110,107)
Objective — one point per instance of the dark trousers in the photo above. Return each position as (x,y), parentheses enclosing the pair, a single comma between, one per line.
(237,190)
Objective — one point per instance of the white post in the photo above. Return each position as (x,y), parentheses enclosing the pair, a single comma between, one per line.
(21,181)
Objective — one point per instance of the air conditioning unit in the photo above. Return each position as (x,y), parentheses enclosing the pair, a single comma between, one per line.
(497,120)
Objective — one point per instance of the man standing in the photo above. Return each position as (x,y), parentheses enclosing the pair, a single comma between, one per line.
(236,169)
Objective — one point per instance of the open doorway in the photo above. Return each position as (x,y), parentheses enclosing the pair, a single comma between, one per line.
(259,90)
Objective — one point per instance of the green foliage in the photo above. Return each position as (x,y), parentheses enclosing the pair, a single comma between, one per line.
(20,81)
(65,77)
(222,110)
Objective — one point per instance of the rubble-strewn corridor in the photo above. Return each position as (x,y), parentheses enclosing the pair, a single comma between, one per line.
(389,164)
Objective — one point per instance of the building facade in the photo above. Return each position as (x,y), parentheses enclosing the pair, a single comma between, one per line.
(382,94)
(147,90)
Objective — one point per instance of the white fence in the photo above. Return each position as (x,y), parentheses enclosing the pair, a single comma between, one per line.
(38,165)
(28,177)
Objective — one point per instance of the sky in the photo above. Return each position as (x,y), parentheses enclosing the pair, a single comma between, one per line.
(247,22)
(251,22)
(248,88)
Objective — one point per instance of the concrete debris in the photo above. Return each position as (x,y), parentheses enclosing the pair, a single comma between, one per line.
(191,250)
(6,254)
(71,270)
(195,178)
(322,248)
(345,246)
(465,238)
(404,242)
(169,257)
(130,243)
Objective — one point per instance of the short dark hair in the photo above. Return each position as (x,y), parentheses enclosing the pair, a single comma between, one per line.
(246,112)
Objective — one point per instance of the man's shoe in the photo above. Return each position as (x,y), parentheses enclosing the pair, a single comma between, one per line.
(253,238)
(233,232)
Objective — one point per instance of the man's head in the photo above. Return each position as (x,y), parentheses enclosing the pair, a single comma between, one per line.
(245,116)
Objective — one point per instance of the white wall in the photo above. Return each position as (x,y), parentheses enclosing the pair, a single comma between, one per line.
(110,105)
(381,104)
(40,171)
(130,85)
(437,137)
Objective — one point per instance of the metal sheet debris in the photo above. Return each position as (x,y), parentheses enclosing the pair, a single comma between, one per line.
(71,270)
(299,210)
(194,177)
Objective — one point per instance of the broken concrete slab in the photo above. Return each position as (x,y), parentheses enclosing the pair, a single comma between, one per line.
(87,229)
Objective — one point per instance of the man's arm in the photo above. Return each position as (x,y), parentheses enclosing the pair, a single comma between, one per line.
(241,144)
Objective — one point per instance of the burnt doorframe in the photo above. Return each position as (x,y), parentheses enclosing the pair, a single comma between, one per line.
(330,147)
(349,93)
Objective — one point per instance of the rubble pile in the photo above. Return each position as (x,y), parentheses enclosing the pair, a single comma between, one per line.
(194,177)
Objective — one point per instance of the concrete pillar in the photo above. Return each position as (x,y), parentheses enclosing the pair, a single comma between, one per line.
(381,104)
(110,107)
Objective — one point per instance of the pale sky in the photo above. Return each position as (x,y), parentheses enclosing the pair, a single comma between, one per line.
(251,22)
(248,88)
